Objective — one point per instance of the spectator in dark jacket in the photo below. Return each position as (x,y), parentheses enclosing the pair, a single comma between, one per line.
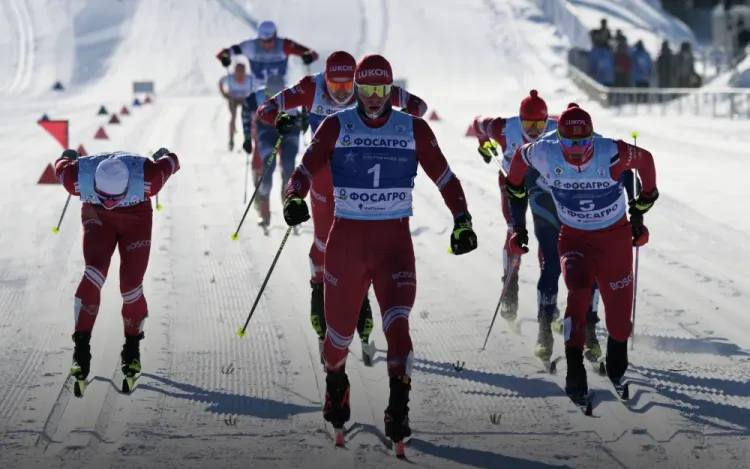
(641,67)
(664,67)
(622,65)
(685,66)
(601,36)
(601,65)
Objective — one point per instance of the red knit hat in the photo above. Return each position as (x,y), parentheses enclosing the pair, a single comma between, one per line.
(533,107)
(340,64)
(374,69)
(574,122)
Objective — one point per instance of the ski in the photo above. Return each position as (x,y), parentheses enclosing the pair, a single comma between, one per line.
(398,448)
(128,383)
(621,389)
(368,353)
(79,386)
(338,437)
(551,366)
(597,363)
(584,402)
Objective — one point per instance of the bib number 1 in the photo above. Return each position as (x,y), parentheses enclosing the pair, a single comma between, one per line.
(376,175)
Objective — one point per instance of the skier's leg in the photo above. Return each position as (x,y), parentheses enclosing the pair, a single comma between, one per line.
(510,302)
(99,242)
(365,323)
(321,211)
(289,150)
(615,278)
(266,141)
(135,248)
(547,231)
(593,349)
(578,263)
(395,283)
(233,105)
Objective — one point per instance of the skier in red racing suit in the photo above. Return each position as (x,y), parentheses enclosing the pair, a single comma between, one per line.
(115,190)
(373,153)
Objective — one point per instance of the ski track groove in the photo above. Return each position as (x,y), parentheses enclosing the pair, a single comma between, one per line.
(24,69)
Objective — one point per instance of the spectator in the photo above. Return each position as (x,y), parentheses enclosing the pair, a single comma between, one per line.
(601,65)
(619,39)
(664,66)
(685,68)
(601,36)
(641,67)
(622,65)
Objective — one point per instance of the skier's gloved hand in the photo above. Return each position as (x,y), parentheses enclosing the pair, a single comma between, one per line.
(643,203)
(247,145)
(518,242)
(224,57)
(295,210)
(285,123)
(159,153)
(308,58)
(487,149)
(69,154)
(304,120)
(463,238)
(639,231)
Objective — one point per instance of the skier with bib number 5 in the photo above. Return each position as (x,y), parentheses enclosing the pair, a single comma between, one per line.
(596,238)
(115,190)
(324,94)
(373,152)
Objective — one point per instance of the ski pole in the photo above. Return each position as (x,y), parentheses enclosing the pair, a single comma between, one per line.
(56,229)
(236,234)
(243,330)
(634,134)
(508,275)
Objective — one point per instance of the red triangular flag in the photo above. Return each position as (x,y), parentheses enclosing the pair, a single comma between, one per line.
(147,100)
(124,111)
(433,116)
(114,119)
(82,151)
(48,176)
(101,134)
(58,129)
(470,132)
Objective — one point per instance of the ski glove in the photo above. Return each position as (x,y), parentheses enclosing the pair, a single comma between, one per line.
(224,57)
(639,231)
(304,120)
(518,242)
(308,58)
(69,154)
(285,123)
(247,145)
(159,153)
(463,238)
(295,210)
(643,203)
(487,149)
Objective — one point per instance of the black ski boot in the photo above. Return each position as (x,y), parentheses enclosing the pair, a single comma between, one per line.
(336,409)
(576,384)
(318,315)
(81,366)
(131,360)
(364,329)
(617,359)
(397,414)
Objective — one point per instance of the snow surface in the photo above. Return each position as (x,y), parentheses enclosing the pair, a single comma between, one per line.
(208,399)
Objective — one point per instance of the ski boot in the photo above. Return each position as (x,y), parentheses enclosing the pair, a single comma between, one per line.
(317,315)
(131,360)
(557,322)
(265,214)
(364,329)
(544,341)
(617,365)
(593,351)
(576,384)
(81,366)
(336,410)
(509,308)
(397,414)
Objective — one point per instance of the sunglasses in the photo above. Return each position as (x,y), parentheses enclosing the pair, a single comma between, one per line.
(575,142)
(530,124)
(374,90)
(335,86)
(110,201)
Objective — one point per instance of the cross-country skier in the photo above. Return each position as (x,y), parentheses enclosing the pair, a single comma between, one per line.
(115,190)
(235,88)
(267,138)
(373,152)
(510,133)
(596,238)
(268,54)
(324,94)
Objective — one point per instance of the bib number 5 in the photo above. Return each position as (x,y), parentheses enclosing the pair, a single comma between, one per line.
(586,205)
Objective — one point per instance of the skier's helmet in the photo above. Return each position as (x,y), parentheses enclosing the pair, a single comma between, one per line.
(267,31)
(373,81)
(533,114)
(339,76)
(111,182)
(576,134)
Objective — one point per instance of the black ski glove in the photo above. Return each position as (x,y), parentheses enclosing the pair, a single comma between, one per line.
(295,210)
(224,57)
(487,150)
(304,120)
(308,58)
(159,153)
(463,238)
(71,155)
(643,203)
(285,123)
(247,145)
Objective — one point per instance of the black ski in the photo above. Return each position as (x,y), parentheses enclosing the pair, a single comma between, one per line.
(584,402)
(621,389)
(551,366)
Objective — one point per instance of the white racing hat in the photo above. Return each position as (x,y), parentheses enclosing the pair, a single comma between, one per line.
(266,30)
(112,177)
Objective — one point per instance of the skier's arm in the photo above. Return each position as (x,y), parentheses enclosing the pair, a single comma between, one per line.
(222,81)
(156,173)
(66,171)
(293,48)
(628,178)
(249,108)
(317,157)
(514,186)
(412,103)
(301,94)
(487,129)
(433,162)
(631,157)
